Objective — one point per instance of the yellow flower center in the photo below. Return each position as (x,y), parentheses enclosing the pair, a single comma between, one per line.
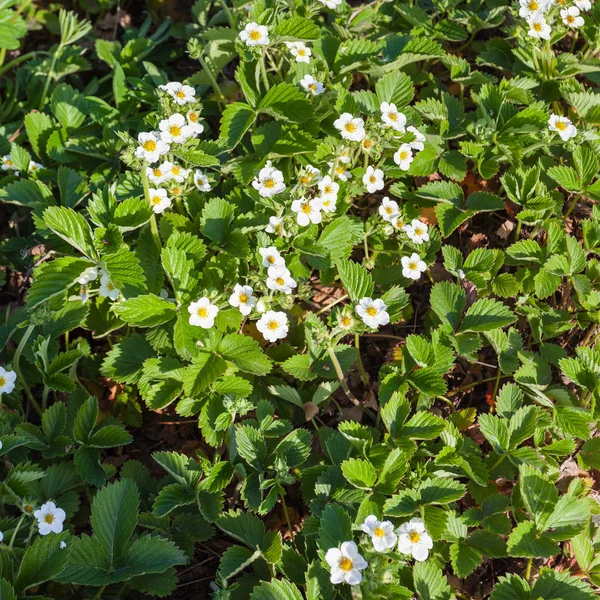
(243,298)
(533,5)
(110,287)
(301,52)
(414,537)
(393,116)
(280,281)
(378,532)
(33,167)
(306,208)
(156,172)
(345,564)
(412,266)
(28,508)
(340,170)
(326,202)
(346,321)
(149,146)
(176,191)
(156,200)
(193,117)
(2,381)
(313,87)
(350,127)
(371,311)
(570,19)
(560,125)
(271,259)
(537,27)
(175,130)
(273,325)
(175,170)
(49,518)
(388,210)
(403,155)
(254,35)
(328,189)
(304,179)
(202,312)
(418,231)
(372,179)
(367,144)
(180,94)
(269,183)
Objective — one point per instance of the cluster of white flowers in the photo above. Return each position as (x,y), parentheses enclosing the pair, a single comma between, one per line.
(107,288)
(9,165)
(309,209)
(345,563)
(50,518)
(7,381)
(539,15)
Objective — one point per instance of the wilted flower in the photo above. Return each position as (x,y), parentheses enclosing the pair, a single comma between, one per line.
(413,539)
(391,117)
(373,312)
(280,279)
(50,518)
(255,35)
(417,231)
(243,299)
(151,147)
(271,257)
(300,51)
(273,325)
(562,126)
(571,17)
(345,564)
(159,200)
(310,84)
(373,179)
(269,181)
(307,210)
(7,381)
(201,181)
(381,533)
(404,157)
(203,313)
(181,94)
(351,128)
(413,266)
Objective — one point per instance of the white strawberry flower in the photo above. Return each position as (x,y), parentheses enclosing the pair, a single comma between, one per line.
(367,144)
(107,287)
(151,147)
(300,51)
(333,4)
(279,279)
(175,129)
(397,223)
(255,35)
(159,174)
(309,175)
(413,266)
(373,179)
(328,205)
(159,200)
(344,156)
(538,28)
(373,312)
(90,274)
(307,211)
(528,8)
(345,564)
(269,181)
(50,518)
(418,143)
(181,94)
(381,533)
(563,126)
(7,163)
(175,172)
(389,209)
(34,166)
(392,117)
(339,171)
(193,121)
(202,313)
(201,181)
(583,4)
(273,325)
(413,539)
(351,128)
(276,226)
(271,257)
(84,293)
(417,231)
(571,17)
(310,84)
(328,188)
(7,381)
(404,157)
(243,299)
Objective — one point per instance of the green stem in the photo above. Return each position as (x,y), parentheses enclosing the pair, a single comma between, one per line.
(498,462)
(17,367)
(212,78)
(14,535)
(361,367)
(2,56)
(99,594)
(572,205)
(263,68)
(49,76)
(229,14)
(153,223)
(528,569)
(287,517)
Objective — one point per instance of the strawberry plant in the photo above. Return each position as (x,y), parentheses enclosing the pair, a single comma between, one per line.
(300,300)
